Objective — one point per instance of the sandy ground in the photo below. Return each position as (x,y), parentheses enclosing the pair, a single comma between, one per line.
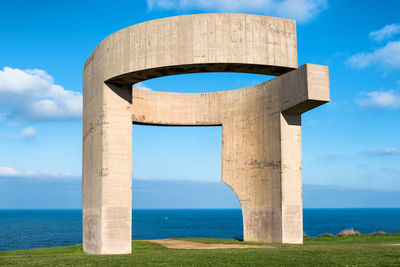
(182,244)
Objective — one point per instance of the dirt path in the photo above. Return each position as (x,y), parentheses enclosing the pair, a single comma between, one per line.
(183,244)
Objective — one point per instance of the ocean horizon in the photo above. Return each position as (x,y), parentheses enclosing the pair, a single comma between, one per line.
(27,229)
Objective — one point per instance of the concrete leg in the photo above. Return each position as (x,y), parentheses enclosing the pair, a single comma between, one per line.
(107,172)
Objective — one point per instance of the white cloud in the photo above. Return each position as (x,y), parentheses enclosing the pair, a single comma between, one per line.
(7,171)
(380,99)
(28,133)
(388,57)
(33,95)
(11,172)
(301,10)
(381,152)
(141,85)
(386,32)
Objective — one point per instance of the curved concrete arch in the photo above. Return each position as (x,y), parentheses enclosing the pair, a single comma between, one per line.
(215,42)
(261,125)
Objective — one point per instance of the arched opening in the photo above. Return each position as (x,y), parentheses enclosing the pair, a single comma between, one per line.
(177,189)
(204,82)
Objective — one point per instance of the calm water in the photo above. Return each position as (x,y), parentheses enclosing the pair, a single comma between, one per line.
(23,229)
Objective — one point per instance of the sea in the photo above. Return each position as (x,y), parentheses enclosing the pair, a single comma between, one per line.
(27,229)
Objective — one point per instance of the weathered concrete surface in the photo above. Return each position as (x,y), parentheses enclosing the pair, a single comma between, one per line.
(261,144)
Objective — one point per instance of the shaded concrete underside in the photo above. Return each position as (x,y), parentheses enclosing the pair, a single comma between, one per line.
(138,76)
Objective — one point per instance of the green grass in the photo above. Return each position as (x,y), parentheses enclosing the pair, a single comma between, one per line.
(361,250)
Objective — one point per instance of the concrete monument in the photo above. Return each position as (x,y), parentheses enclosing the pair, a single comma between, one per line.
(261,125)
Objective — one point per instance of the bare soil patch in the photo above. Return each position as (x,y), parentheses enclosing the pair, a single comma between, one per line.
(183,244)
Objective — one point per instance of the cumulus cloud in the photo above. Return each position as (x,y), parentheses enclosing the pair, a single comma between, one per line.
(13,173)
(387,57)
(28,133)
(386,32)
(381,152)
(301,10)
(380,99)
(141,85)
(33,95)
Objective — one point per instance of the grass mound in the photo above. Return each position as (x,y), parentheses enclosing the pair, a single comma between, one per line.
(326,235)
(379,233)
(349,232)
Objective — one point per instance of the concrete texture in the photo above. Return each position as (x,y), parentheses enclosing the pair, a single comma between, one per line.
(261,125)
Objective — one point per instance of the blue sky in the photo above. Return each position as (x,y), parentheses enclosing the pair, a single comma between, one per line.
(351,146)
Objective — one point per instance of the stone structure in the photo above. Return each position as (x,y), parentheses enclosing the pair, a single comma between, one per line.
(261,125)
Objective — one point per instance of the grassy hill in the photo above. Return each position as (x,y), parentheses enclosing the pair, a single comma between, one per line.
(364,250)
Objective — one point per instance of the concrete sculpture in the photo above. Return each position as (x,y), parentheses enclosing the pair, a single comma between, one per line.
(261,125)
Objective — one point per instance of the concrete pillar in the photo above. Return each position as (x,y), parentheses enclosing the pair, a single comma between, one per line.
(291,179)
(261,154)
(107,171)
